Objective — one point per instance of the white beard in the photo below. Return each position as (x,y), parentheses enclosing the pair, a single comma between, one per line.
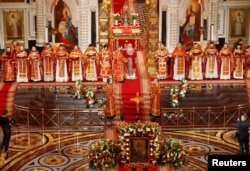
(130,51)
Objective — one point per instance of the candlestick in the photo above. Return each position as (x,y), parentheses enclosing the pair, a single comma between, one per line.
(212,32)
(46,35)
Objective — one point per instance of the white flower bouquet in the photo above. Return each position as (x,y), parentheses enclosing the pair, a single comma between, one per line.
(174,97)
(134,16)
(89,97)
(116,16)
(174,115)
(78,90)
(177,93)
(102,102)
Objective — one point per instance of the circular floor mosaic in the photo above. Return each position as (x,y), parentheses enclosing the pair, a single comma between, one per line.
(27,140)
(53,160)
(38,169)
(75,151)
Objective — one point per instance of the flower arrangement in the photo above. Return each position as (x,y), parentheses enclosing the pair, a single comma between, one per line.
(108,153)
(173,115)
(177,93)
(102,102)
(100,114)
(103,154)
(139,129)
(134,16)
(78,90)
(116,16)
(172,152)
(174,97)
(89,97)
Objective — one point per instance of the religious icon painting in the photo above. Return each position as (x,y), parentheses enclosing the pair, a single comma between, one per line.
(14,25)
(139,150)
(239,22)
(66,32)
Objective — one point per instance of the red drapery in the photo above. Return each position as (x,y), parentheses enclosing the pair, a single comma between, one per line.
(117,5)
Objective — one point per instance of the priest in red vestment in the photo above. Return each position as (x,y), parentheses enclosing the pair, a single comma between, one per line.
(8,67)
(119,65)
(130,54)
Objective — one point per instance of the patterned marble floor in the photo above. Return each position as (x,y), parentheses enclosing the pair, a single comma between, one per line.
(67,150)
(46,150)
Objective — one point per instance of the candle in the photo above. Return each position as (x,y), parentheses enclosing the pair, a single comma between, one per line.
(46,34)
(212,32)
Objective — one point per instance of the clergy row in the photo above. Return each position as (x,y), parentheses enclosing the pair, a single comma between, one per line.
(198,64)
(61,65)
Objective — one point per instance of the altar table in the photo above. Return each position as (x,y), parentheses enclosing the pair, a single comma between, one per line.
(126,30)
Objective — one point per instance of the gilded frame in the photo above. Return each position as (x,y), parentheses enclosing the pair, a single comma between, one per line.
(13,25)
(12,1)
(238,22)
(139,150)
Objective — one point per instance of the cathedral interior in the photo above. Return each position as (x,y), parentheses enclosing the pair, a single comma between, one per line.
(183,65)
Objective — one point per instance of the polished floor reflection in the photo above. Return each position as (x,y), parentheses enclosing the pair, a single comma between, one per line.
(50,150)
(67,150)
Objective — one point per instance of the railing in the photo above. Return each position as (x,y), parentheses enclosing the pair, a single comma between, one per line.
(89,118)
(202,117)
(40,118)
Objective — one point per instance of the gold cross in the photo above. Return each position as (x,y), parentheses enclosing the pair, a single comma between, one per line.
(137,99)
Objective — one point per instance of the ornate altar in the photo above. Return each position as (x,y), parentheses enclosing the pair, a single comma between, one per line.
(125,28)
(124,33)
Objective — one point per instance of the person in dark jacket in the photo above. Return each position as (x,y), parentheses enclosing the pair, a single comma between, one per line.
(243,125)
(6,124)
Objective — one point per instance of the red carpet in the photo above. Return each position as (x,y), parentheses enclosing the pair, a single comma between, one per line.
(129,90)
(130,87)
(4,90)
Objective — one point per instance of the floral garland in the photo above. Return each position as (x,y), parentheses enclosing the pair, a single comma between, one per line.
(172,152)
(139,129)
(103,153)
